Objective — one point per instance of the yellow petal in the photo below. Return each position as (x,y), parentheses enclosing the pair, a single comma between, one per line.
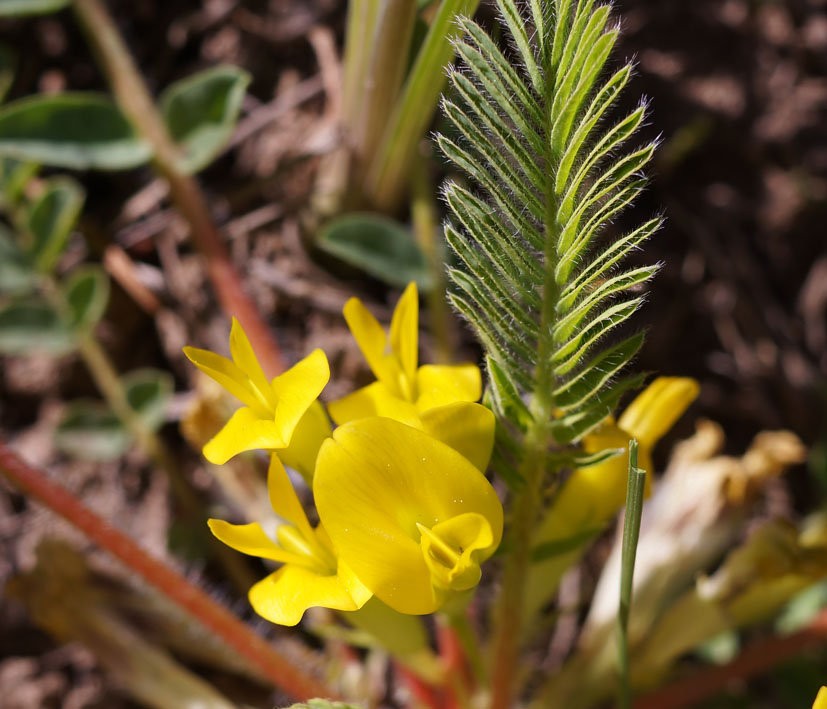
(656,409)
(243,355)
(376,479)
(372,341)
(437,385)
(307,438)
(821,699)
(468,428)
(284,500)
(373,400)
(250,539)
(404,334)
(245,431)
(228,375)
(284,596)
(297,389)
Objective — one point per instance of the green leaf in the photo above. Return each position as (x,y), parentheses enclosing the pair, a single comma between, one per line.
(87,292)
(27,326)
(8,65)
(377,245)
(148,392)
(17,276)
(14,176)
(802,609)
(73,130)
(201,112)
(12,8)
(50,221)
(90,431)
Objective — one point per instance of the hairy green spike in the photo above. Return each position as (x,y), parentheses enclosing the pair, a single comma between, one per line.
(545,174)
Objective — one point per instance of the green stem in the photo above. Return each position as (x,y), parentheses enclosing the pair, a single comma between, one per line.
(508,611)
(134,99)
(428,236)
(388,175)
(537,441)
(108,382)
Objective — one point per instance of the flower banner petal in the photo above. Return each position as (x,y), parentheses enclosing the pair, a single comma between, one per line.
(284,596)
(297,389)
(404,333)
(467,427)
(372,341)
(655,410)
(438,384)
(375,481)
(250,539)
(227,374)
(243,355)
(245,431)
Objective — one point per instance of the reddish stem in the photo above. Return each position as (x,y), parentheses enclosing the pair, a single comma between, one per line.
(135,100)
(757,659)
(456,668)
(423,692)
(258,652)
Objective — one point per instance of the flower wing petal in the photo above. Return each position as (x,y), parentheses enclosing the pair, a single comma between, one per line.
(438,384)
(373,400)
(245,431)
(655,410)
(404,333)
(227,374)
(284,596)
(284,500)
(467,427)
(297,389)
(375,481)
(250,539)
(306,440)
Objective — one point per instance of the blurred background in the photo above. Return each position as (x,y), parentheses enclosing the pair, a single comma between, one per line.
(738,90)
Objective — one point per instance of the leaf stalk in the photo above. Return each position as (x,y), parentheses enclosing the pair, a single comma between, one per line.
(134,99)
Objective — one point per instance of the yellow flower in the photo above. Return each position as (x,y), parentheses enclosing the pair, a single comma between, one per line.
(592,495)
(312,575)
(412,517)
(272,409)
(436,399)
(821,699)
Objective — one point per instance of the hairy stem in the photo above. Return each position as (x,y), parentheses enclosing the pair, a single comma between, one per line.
(273,665)
(537,442)
(134,99)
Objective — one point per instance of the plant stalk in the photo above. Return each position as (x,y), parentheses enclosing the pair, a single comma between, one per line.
(508,612)
(635,485)
(381,79)
(134,99)
(414,109)
(277,667)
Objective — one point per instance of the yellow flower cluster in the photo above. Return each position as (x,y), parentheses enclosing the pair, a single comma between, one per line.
(405,512)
